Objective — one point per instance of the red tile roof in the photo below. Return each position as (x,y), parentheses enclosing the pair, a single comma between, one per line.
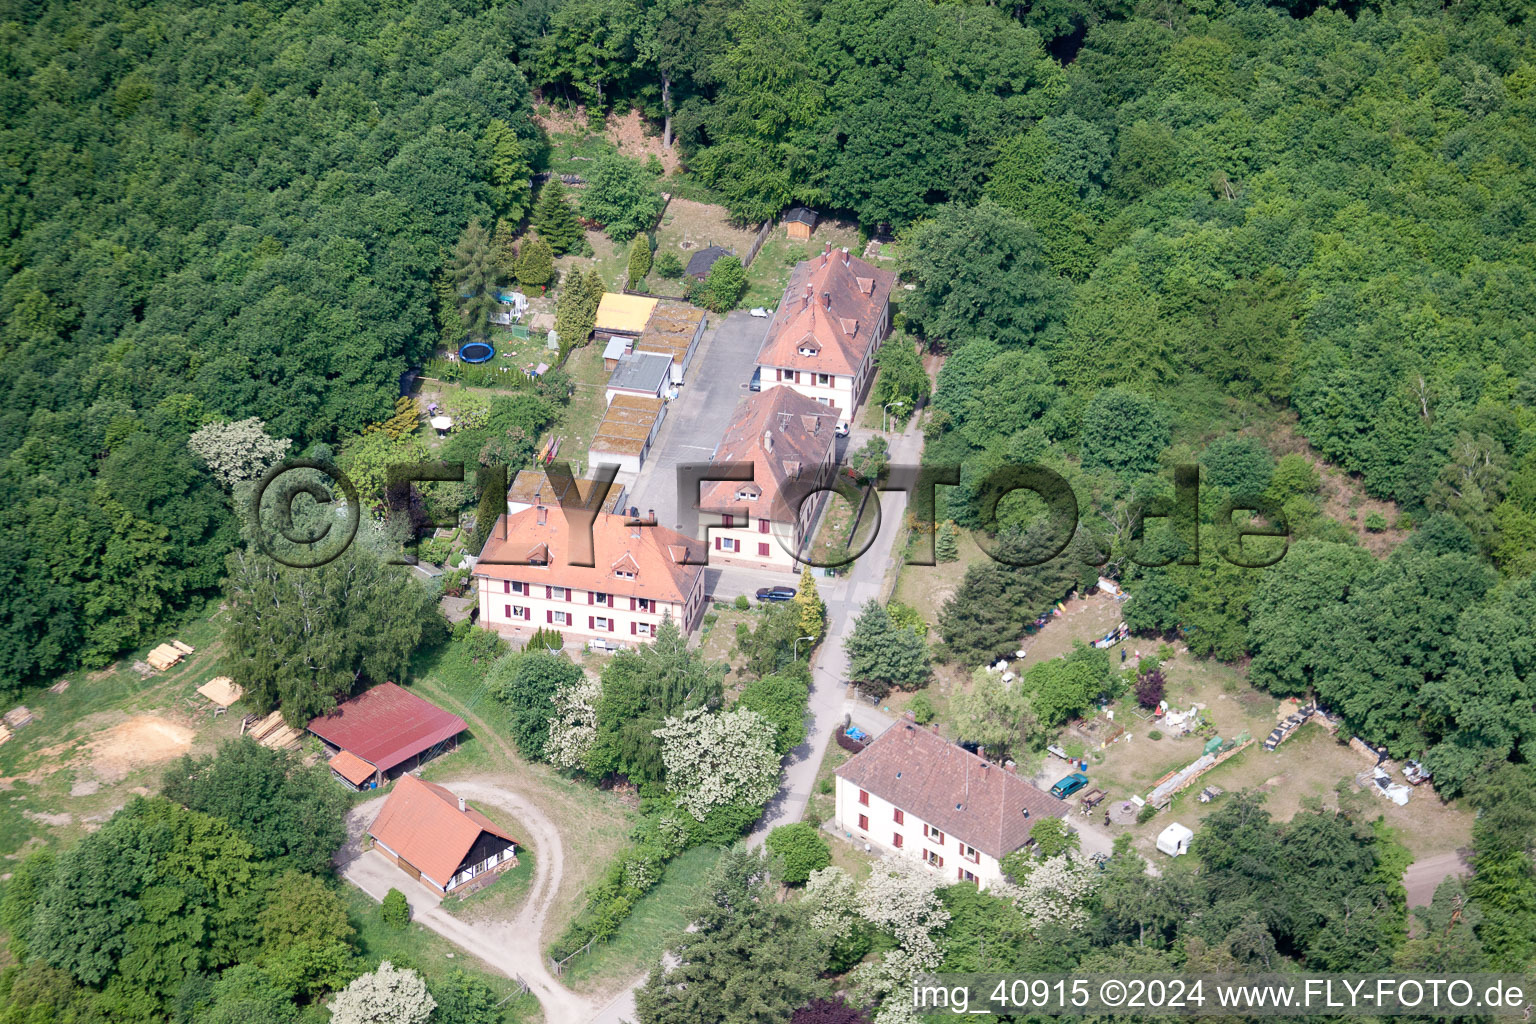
(386,725)
(802,433)
(832,305)
(653,553)
(423,824)
(970,798)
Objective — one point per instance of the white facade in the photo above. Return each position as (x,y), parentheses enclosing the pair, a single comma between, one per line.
(517,608)
(841,390)
(894,830)
(761,543)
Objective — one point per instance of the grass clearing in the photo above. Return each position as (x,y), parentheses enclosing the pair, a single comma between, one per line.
(769,272)
(594,825)
(579,421)
(429,954)
(660,914)
(503,897)
(106,737)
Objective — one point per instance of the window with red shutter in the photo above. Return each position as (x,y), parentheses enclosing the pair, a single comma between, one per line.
(631,604)
(549,617)
(900,816)
(762,526)
(591,623)
(863,798)
(896,840)
(549,593)
(509,611)
(591,598)
(633,629)
(726,519)
(762,550)
(864,822)
(506,586)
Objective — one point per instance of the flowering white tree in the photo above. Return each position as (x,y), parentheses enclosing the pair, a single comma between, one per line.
(833,897)
(573,727)
(903,899)
(388,995)
(242,450)
(717,759)
(1055,891)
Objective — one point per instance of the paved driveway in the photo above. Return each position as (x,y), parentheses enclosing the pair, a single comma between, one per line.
(696,420)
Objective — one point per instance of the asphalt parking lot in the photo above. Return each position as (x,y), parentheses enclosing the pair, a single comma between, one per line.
(697,418)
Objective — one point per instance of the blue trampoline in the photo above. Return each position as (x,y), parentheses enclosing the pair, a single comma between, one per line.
(476,352)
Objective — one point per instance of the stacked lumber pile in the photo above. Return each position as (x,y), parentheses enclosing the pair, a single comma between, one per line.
(272,732)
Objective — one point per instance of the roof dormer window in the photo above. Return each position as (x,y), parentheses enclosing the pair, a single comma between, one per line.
(806,350)
(746,495)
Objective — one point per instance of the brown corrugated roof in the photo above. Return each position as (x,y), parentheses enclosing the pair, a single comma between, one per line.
(802,432)
(653,553)
(532,486)
(831,306)
(975,801)
(422,823)
(670,330)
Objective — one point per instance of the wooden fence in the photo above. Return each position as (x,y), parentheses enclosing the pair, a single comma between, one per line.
(757,243)
(558,966)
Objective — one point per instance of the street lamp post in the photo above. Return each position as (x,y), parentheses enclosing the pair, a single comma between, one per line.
(797,644)
(887,409)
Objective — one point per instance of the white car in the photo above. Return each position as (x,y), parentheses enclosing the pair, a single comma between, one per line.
(842,430)
(759,311)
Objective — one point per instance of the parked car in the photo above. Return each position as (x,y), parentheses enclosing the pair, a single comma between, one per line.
(1069,785)
(757,380)
(759,311)
(776,594)
(842,430)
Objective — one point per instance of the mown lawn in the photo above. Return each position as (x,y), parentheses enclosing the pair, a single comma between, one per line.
(429,954)
(659,915)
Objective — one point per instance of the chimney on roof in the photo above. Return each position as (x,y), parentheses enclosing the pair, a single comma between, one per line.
(826,300)
(845,255)
(461,805)
(808,291)
(543,515)
(650,514)
(768,441)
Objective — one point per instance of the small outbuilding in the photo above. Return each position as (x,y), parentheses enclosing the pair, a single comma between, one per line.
(1174,840)
(643,374)
(700,262)
(799,222)
(437,840)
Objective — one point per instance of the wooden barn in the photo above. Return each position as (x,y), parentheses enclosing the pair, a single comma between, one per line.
(382,732)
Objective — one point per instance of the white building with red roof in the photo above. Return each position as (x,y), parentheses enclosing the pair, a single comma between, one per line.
(769,522)
(912,792)
(822,342)
(540,569)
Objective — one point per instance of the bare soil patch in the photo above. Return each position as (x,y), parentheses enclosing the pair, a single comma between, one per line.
(142,740)
(1342,493)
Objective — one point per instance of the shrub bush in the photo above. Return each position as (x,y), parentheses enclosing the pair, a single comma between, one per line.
(1154,735)
(802,850)
(396,910)
(743,603)
(921,708)
(1146,814)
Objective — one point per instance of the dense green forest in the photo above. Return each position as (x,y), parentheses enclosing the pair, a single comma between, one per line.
(211,212)
(1143,236)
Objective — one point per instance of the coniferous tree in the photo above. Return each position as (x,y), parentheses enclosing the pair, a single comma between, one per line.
(555,220)
(473,271)
(536,263)
(639,259)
